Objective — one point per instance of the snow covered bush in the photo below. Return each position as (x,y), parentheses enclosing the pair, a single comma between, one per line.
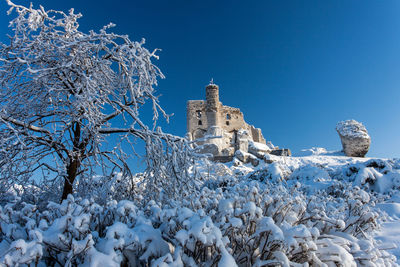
(251,220)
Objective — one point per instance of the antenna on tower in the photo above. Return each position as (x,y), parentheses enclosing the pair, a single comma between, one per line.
(212,81)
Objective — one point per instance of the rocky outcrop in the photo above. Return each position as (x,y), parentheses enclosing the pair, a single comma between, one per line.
(354,137)
(246,157)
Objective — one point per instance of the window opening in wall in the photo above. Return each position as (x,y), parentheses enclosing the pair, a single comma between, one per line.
(235,137)
(228,116)
(227,122)
(198,112)
(200,122)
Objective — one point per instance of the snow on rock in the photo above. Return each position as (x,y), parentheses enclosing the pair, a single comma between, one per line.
(246,157)
(352,128)
(354,137)
(258,149)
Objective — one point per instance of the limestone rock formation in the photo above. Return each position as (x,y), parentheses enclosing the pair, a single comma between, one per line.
(354,137)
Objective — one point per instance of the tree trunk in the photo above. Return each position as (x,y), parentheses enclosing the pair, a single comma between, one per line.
(72,170)
(74,163)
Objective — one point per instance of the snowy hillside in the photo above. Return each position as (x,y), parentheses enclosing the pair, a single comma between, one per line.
(320,209)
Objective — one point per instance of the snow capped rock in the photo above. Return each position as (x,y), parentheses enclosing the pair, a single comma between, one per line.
(354,137)
(352,128)
(258,149)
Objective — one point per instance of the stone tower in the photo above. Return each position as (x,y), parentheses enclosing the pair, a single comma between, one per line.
(212,104)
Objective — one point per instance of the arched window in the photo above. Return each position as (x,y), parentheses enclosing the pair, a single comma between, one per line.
(200,122)
(228,116)
(198,113)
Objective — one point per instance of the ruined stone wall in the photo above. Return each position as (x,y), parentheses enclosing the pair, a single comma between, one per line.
(231,119)
(197,124)
(257,135)
(212,118)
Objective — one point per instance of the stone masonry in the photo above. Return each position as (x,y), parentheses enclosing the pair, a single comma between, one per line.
(211,118)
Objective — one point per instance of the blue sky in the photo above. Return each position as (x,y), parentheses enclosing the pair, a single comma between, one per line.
(295,68)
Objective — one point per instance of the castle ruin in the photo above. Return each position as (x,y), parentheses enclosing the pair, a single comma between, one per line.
(233,136)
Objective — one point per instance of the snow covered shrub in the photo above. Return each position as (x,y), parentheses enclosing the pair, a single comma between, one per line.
(339,209)
(305,215)
(275,172)
(21,242)
(250,223)
(76,232)
(272,225)
(107,188)
(375,175)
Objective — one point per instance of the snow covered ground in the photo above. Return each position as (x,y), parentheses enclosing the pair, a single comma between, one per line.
(319,208)
(385,186)
(389,234)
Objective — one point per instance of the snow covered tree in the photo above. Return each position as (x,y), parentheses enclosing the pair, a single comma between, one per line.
(65,92)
